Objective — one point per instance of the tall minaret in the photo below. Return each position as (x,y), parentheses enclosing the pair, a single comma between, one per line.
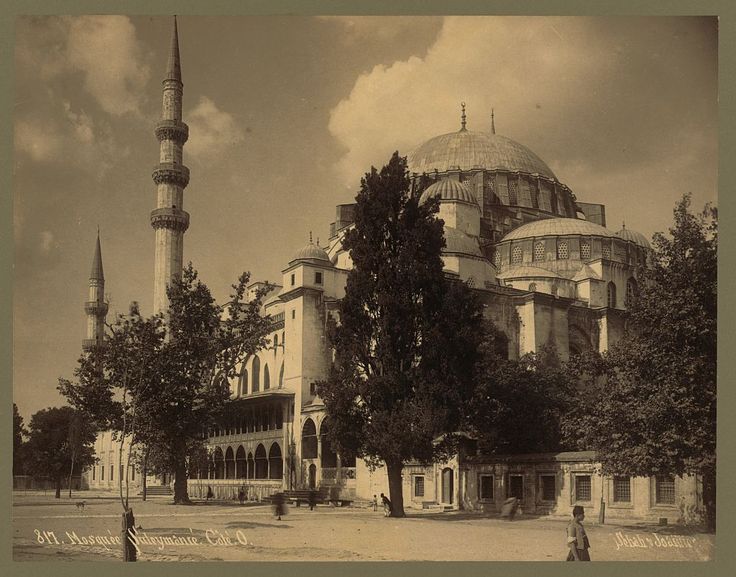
(95,307)
(169,219)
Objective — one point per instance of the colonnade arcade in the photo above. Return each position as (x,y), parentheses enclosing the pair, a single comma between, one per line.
(240,463)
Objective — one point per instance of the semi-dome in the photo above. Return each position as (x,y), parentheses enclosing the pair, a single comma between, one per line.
(558,227)
(311,251)
(468,149)
(451,191)
(633,236)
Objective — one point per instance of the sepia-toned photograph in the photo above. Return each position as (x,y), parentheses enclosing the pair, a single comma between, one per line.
(364,288)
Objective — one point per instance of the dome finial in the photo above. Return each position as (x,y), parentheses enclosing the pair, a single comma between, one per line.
(493,122)
(462,104)
(310,237)
(623,224)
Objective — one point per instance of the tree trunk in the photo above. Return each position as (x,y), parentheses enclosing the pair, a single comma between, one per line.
(181,493)
(144,472)
(395,490)
(709,500)
(129,550)
(58,488)
(71,472)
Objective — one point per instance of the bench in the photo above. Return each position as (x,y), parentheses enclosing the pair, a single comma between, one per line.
(321,496)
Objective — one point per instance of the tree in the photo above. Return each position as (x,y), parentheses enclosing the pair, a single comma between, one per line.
(60,438)
(519,405)
(19,432)
(407,339)
(165,387)
(654,407)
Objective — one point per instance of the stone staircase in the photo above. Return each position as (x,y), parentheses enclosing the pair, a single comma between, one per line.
(157,491)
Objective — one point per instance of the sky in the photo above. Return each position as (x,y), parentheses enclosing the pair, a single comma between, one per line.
(287,112)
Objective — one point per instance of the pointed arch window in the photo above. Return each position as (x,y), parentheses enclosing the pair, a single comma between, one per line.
(266,378)
(281,376)
(261,463)
(309,440)
(243,382)
(275,463)
(611,295)
(256,374)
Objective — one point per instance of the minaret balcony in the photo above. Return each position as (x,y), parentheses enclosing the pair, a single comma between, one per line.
(95,308)
(170,173)
(91,344)
(172,130)
(171,218)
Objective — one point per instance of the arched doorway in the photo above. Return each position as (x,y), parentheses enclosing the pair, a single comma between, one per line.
(229,463)
(312,476)
(309,440)
(275,463)
(240,466)
(219,464)
(261,463)
(447,485)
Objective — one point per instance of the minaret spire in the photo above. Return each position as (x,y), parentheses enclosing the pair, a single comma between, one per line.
(171,176)
(173,69)
(493,122)
(95,307)
(462,117)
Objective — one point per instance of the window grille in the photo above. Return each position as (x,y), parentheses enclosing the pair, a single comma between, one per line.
(486,487)
(539,250)
(606,251)
(497,259)
(582,488)
(419,486)
(622,489)
(585,250)
(562,252)
(516,255)
(513,191)
(665,492)
(549,489)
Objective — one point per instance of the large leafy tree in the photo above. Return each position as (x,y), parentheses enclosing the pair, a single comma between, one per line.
(162,382)
(61,440)
(407,339)
(519,405)
(652,410)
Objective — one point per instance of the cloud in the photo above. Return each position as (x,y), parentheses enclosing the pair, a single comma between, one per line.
(36,138)
(358,29)
(104,50)
(213,131)
(595,93)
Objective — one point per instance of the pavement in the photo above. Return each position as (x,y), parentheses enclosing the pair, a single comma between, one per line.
(51,529)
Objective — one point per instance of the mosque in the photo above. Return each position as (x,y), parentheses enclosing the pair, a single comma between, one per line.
(546,267)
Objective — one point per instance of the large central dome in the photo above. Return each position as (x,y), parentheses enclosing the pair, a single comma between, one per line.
(466,149)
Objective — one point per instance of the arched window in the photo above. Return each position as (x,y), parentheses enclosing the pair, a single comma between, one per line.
(240,463)
(329,457)
(281,376)
(261,463)
(229,463)
(539,250)
(532,287)
(243,382)
(562,252)
(256,374)
(516,255)
(632,291)
(275,343)
(266,378)
(219,464)
(283,340)
(275,463)
(611,295)
(309,440)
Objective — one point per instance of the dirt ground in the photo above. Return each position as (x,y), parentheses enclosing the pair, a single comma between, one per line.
(47,529)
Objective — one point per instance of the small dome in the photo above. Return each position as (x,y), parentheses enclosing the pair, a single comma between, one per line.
(526,271)
(467,149)
(448,190)
(312,252)
(633,236)
(558,227)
